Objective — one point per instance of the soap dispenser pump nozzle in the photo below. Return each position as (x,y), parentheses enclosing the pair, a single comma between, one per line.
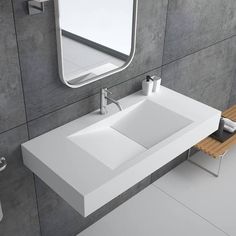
(148,78)
(147,85)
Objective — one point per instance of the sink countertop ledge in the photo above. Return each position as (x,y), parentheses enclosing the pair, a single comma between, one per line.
(63,160)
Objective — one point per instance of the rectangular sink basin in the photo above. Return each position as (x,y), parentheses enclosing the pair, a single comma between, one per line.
(95,158)
(150,123)
(138,129)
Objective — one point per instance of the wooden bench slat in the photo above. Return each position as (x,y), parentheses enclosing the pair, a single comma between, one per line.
(214,148)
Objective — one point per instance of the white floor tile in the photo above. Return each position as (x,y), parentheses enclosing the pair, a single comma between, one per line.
(212,198)
(151,213)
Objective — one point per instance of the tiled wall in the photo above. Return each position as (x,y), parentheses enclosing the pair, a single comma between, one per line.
(191,43)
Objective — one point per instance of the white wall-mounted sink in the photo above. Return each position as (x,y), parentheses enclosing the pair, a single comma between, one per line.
(93,159)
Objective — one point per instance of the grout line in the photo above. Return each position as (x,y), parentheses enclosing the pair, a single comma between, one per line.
(156,68)
(185,206)
(23,94)
(20,67)
(87,97)
(230,94)
(62,107)
(164,44)
(195,52)
(15,127)
(94,94)
(37,203)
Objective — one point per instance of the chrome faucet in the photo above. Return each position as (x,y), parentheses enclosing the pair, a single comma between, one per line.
(3,163)
(104,99)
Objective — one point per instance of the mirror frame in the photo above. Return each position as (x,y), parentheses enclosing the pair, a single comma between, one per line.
(99,77)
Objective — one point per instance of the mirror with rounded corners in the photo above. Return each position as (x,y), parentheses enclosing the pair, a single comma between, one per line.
(95,38)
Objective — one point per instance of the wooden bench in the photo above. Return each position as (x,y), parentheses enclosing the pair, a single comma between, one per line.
(214,148)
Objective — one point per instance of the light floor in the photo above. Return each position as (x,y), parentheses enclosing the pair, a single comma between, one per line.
(79,59)
(186,201)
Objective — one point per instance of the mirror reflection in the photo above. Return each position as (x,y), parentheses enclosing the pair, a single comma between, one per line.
(95,38)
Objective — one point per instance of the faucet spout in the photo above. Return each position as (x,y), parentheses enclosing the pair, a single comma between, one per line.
(103,101)
(115,102)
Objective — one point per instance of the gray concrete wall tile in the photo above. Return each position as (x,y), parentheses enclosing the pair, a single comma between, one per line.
(206,75)
(12,111)
(17,192)
(195,24)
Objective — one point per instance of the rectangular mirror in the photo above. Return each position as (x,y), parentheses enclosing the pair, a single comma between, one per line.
(94,38)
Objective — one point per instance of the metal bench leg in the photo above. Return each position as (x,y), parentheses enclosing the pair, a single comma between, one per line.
(205,169)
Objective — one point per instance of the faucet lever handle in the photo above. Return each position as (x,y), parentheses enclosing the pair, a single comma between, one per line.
(108,91)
